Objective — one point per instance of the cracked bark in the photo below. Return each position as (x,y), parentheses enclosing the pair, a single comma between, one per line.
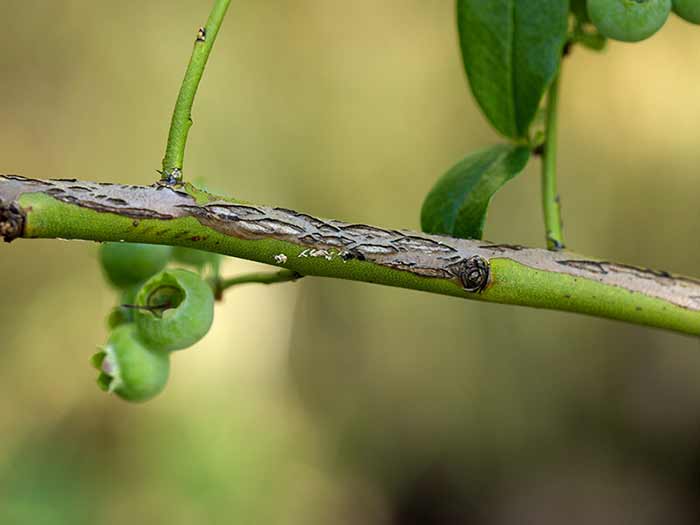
(467,265)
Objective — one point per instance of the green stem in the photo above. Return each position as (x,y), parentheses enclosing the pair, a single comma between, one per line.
(182,115)
(312,246)
(550,197)
(281,276)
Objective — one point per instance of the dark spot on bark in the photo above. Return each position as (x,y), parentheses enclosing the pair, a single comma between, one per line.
(11,221)
(170,177)
(591,266)
(179,193)
(117,201)
(474,273)
(503,247)
(644,271)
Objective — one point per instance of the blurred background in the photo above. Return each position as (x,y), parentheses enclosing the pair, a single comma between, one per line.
(325,401)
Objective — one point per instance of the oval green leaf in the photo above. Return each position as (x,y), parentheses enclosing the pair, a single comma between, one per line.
(458,202)
(511,51)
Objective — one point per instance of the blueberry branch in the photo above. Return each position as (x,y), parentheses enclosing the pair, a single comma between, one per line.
(182,115)
(305,245)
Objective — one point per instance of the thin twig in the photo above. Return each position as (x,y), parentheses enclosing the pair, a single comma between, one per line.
(550,197)
(282,276)
(182,115)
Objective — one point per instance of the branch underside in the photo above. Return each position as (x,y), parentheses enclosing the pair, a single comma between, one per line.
(309,245)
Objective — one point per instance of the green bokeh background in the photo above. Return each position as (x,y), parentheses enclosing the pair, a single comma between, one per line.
(335,402)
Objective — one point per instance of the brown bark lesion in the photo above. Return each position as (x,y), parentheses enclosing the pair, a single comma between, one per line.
(468,263)
(11,221)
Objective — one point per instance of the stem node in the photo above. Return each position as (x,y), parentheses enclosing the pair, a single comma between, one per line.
(11,221)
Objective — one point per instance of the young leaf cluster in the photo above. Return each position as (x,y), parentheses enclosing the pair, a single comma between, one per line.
(512,52)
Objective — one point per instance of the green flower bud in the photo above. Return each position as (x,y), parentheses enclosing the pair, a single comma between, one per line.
(127,264)
(174,310)
(129,368)
(628,20)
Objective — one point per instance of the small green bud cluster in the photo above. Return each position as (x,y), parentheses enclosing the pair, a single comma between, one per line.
(633,20)
(161,310)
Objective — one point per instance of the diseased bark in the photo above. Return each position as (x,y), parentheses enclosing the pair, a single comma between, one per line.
(11,221)
(465,263)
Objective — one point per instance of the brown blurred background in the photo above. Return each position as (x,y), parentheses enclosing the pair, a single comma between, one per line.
(327,401)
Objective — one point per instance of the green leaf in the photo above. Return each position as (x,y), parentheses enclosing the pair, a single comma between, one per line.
(511,51)
(458,202)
